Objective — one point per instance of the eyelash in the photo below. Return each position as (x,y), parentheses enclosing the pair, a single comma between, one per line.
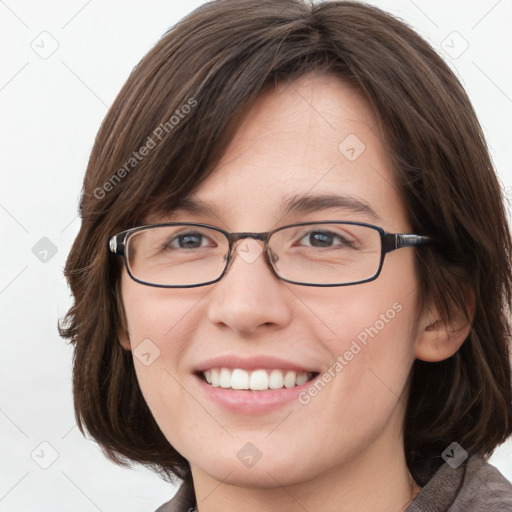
(344,241)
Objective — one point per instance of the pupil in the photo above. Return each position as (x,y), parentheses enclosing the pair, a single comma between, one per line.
(320,239)
(189,241)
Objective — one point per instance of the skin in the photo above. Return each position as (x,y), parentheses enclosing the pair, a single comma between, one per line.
(346,445)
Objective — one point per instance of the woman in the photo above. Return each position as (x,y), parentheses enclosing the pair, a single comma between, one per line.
(293,275)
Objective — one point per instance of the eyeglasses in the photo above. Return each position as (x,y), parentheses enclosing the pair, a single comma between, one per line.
(327,253)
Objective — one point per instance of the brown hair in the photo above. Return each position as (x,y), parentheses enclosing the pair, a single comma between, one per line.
(216,61)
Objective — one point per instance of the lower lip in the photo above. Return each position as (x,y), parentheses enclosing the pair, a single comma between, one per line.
(251,402)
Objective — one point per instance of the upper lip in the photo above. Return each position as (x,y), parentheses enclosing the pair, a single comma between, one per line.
(252,363)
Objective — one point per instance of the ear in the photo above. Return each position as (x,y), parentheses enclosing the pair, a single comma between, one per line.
(123,335)
(124,339)
(438,340)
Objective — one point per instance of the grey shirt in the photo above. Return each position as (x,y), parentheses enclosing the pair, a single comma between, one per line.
(475,486)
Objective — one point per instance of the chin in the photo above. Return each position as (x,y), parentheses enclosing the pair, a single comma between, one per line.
(271,467)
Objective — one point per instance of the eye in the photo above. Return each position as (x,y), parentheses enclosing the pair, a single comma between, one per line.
(324,238)
(189,241)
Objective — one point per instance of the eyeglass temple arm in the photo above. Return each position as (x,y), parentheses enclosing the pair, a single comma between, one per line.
(393,241)
(116,244)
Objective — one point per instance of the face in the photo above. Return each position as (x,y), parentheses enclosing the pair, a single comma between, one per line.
(314,137)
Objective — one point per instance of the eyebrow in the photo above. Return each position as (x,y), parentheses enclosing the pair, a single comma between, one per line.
(308,203)
(194,206)
(298,204)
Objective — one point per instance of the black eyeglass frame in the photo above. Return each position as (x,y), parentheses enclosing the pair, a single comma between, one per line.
(389,242)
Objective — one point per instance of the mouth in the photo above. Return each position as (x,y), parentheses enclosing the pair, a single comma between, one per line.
(255,380)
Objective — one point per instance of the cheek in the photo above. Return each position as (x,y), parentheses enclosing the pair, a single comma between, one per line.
(161,325)
(160,314)
(160,373)
(370,340)
(367,334)
(360,390)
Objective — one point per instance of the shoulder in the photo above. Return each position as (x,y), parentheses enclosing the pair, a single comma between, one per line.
(485,486)
(183,501)
(473,486)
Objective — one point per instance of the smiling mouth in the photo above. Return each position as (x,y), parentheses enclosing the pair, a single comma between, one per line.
(256,380)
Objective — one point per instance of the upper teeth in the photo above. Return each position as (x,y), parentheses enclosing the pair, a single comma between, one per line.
(256,380)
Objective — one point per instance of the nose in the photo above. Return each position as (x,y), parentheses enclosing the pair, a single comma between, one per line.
(250,296)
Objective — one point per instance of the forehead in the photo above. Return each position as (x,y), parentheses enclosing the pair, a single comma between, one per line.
(316,136)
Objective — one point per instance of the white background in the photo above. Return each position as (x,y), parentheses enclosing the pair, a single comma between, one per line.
(51,110)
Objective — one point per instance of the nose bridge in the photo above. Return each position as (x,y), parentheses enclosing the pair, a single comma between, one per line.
(234,237)
(248,252)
